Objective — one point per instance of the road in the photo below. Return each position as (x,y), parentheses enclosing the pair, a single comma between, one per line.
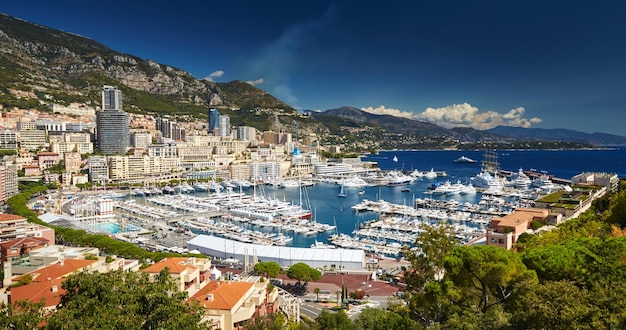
(310,309)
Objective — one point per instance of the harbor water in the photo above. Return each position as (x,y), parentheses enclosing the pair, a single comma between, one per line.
(329,208)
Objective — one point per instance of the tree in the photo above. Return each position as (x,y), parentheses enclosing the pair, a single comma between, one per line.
(106,301)
(379,319)
(428,297)
(270,268)
(317,293)
(486,275)
(303,272)
(22,315)
(333,321)
(435,244)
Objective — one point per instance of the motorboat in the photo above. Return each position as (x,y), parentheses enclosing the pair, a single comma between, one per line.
(342,192)
(464,160)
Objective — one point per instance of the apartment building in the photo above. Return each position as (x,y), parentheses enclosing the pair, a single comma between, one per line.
(230,304)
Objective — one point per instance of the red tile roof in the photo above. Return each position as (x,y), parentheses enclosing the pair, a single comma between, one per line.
(225,294)
(10,217)
(175,265)
(59,270)
(38,291)
(18,242)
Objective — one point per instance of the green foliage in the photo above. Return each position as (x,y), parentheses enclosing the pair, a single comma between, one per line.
(487,275)
(275,321)
(109,300)
(566,305)
(379,319)
(584,261)
(22,315)
(270,268)
(303,272)
(435,243)
(333,321)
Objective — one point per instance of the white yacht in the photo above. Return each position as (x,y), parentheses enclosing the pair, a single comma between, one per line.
(486,181)
(520,180)
(322,245)
(430,174)
(397,178)
(543,182)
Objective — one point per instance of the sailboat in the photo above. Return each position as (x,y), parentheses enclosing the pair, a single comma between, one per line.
(341,193)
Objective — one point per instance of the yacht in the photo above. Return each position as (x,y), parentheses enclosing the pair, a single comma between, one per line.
(430,174)
(486,181)
(520,180)
(200,187)
(397,178)
(353,182)
(543,182)
(464,160)
(322,245)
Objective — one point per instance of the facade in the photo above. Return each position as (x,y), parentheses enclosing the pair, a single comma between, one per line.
(98,169)
(20,246)
(505,231)
(213,123)
(112,123)
(240,171)
(223,125)
(8,182)
(72,142)
(32,139)
(264,171)
(170,129)
(72,161)
(246,133)
(166,150)
(138,168)
(189,274)
(47,159)
(111,98)
(50,125)
(140,140)
(8,139)
(13,226)
(608,180)
(230,304)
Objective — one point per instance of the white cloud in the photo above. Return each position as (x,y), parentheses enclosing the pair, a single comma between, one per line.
(256,82)
(381,110)
(466,115)
(214,74)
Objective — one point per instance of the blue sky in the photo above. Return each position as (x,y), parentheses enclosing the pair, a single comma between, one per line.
(545,64)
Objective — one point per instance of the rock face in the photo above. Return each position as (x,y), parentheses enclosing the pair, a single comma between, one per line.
(51,59)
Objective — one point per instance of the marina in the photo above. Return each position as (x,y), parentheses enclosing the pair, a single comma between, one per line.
(364,211)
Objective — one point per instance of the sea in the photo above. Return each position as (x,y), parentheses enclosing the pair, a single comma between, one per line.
(328,207)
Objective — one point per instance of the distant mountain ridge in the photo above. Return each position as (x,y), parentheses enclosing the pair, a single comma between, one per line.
(560,134)
(391,123)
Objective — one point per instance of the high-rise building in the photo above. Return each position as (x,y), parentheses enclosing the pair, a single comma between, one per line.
(224,125)
(169,129)
(111,98)
(246,133)
(112,123)
(214,116)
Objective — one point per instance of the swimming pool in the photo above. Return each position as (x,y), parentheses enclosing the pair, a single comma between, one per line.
(113,228)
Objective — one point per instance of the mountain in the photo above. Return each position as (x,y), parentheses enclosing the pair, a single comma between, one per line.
(559,134)
(391,123)
(41,66)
